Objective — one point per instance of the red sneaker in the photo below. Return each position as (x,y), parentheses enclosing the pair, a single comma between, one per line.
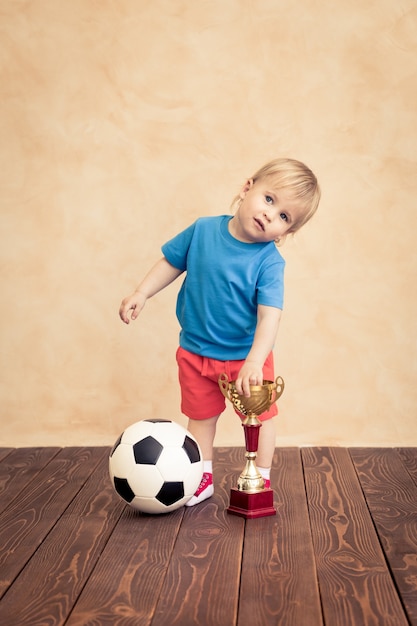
(205,490)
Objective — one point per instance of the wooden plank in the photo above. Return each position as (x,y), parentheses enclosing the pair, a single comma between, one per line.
(409,458)
(391,494)
(279,581)
(4,452)
(355,584)
(20,467)
(202,581)
(28,519)
(48,586)
(126,583)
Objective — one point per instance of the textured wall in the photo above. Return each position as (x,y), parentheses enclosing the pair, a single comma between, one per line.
(122,122)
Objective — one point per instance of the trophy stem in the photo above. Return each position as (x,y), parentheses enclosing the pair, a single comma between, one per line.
(251,425)
(250,479)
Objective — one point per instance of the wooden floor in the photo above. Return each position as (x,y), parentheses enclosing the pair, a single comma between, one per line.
(342,549)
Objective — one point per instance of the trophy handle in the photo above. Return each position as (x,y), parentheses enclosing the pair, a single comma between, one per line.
(229,393)
(224,386)
(278,388)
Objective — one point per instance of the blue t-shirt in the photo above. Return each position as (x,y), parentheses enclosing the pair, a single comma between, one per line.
(226,279)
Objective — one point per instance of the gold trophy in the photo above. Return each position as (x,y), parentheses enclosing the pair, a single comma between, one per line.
(251,499)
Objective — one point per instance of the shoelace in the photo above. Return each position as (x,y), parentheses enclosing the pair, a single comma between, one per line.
(203,484)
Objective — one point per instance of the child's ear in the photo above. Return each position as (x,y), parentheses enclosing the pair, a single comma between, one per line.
(246,187)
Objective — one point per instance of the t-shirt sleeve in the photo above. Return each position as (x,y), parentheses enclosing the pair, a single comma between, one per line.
(270,289)
(176,249)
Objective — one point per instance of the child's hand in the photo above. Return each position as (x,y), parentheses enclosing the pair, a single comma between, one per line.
(134,303)
(250,374)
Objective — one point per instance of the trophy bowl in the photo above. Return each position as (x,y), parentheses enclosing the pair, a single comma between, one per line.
(261,396)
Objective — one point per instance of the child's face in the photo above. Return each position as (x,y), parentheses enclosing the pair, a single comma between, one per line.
(265,213)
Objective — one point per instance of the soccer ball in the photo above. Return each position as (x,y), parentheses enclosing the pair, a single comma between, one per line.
(156,466)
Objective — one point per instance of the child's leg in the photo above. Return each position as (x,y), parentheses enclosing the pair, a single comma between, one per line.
(204,431)
(266,448)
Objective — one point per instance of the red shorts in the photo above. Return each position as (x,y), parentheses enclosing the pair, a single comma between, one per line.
(201,397)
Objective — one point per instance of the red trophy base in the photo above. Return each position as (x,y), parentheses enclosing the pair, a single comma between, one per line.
(252,505)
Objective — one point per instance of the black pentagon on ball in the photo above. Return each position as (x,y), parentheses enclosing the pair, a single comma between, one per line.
(170,493)
(123,489)
(190,448)
(147,451)
(158,421)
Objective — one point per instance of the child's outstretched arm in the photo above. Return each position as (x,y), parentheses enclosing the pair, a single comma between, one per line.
(263,342)
(161,275)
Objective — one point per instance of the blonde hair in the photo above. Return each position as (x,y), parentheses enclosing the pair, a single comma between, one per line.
(294,175)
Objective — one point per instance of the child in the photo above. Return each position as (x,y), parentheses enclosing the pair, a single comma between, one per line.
(229,305)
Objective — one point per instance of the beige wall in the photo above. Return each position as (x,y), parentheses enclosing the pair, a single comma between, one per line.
(121,122)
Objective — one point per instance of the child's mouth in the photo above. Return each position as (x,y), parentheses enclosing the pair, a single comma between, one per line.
(260,224)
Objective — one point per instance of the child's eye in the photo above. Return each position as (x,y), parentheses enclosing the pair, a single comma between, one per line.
(269,199)
(284,217)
